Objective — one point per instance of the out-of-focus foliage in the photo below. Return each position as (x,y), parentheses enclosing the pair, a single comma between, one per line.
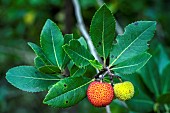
(153,83)
(21,21)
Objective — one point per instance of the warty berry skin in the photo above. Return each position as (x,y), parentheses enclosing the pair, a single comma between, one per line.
(124,91)
(100,94)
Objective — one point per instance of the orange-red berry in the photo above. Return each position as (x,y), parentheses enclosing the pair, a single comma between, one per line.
(100,94)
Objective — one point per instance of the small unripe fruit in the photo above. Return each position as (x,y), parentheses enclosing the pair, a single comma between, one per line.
(100,94)
(124,91)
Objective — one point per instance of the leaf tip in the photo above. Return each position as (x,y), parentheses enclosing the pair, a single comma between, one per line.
(153,23)
(30,44)
(7,73)
(104,4)
(49,20)
(45,100)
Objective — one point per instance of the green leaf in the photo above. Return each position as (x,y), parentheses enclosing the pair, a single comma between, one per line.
(133,64)
(150,76)
(136,91)
(90,71)
(77,72)
(102,31)
(79,55)
(162,59)
(83,42)
(52,40)
(96,64)
(141,100)
(68,38)
(38,51)
(28,78)
(67,92)
(66,59)
(49,69)
(165,80)
(164,99)
(41,62)
(133,42)
(70,65)
(38,62)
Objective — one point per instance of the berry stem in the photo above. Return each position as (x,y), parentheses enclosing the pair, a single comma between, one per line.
(111,80)
(113,75)
(106,70)
(103,75)
(100,73)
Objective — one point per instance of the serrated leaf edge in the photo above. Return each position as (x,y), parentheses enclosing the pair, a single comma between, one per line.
(47,102)
(68,45)
(134,65)
(105,6)
(20,88)
(48,20)
(154,23)
(30,43)
(47,67)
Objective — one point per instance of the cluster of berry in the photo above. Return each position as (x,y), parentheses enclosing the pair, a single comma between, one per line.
(101,94)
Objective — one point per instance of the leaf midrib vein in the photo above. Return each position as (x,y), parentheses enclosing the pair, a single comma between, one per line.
(55,55)
(76,72)
(103,36)
(69,91)
(77,54)
(127,66)
(42,53)
(34,78)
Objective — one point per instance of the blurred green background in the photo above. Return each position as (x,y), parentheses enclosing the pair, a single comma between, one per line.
(21,21)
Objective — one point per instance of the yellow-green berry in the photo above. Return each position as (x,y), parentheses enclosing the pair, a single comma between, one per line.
(124,91)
